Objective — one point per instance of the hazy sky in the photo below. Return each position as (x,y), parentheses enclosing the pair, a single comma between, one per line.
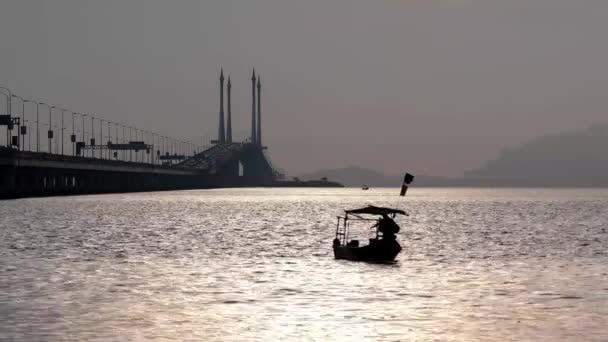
(430,86)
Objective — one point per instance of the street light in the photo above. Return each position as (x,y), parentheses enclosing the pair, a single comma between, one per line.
(62,127)
(83,137)
(151,147)
(117,141)
(37,127)
(109,136)
(124,141)
(53,134)
(50,131)
(28,133)
(92,136)
(101,138)
(130,140)
(135,139)
(144,135)
(9,95)
(22,127)
(73,136)
(29,144)
(8,98)
(55,128)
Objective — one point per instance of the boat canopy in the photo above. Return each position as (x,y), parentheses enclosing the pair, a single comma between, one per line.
(373,210)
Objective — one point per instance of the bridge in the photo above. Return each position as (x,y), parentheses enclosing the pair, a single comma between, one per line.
(83,154)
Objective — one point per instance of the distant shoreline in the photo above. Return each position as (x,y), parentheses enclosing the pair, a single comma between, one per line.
(487,186)
(307,184)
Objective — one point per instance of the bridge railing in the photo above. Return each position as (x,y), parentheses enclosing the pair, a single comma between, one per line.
(39,127)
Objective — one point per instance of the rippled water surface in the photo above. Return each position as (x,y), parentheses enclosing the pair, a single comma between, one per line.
(256,264)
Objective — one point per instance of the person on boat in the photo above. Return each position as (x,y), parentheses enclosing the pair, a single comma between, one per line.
(388,227)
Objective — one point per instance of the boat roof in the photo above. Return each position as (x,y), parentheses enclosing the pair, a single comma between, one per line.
(373,210)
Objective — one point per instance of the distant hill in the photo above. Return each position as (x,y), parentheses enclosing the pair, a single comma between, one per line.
(357,176)
(570,159)
(564,159)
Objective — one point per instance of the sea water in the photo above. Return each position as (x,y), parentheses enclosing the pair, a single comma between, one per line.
(257,265)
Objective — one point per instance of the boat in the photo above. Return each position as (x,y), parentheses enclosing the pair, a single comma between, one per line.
(382,247)
(365,187)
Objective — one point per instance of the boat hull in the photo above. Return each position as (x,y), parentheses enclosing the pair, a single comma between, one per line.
(381,251)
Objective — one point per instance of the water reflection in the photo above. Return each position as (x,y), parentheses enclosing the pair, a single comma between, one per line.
(256,264)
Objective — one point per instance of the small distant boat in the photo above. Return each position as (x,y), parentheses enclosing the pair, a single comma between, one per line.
(383,247)
(365,187)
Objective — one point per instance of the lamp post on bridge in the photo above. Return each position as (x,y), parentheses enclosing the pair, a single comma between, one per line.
(157,146)
(147,143)
(130,139)
(50,131)
(29,138)
(116,127)
(109,139)
(137,138)
(154,148)
(37,127)
(116,138)
(151,148)
(22,129)
(73,136)
(52,134)
(84,142)
(172,148)
(143,152)
(92,137)
(123,141)
(63,128)
(165,145)
(101,137)
(9,95)
(55,128)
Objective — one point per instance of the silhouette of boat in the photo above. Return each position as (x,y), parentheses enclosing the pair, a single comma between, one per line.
(381,248)
(365,187)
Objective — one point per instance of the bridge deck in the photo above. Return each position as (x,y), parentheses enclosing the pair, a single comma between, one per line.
(10,157)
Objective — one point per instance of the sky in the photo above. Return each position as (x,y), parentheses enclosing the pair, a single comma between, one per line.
(434,87)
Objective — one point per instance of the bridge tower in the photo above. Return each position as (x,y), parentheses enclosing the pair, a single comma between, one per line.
(259,133)
(221,137)
(253,125)
(229,118)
